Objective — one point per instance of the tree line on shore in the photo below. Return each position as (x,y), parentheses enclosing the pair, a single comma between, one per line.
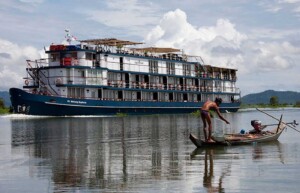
(3,108)
(273,103)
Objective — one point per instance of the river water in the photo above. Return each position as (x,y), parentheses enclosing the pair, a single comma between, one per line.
(143,154)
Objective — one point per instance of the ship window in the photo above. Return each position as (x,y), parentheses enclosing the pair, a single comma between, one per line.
(54,57)
(89,56)
(138,96)
(155,96)
(186,69)
(137,78)
(170,68)
(120,95)
(99,93)
(74,54)
(185,96)
(153,66)
(121,63)
(171,96)
(198,97)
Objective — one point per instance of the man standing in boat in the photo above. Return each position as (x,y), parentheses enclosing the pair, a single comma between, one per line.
(205,115)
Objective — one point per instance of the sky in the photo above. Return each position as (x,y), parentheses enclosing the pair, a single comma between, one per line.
(261,39)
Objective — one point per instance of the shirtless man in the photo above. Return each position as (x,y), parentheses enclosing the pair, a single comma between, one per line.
(206,116)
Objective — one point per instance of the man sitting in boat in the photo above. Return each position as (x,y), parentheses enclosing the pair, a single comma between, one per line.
(258,127)
(205,115)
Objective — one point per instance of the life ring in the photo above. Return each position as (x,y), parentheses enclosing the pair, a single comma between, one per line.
(58,81)
(26,82)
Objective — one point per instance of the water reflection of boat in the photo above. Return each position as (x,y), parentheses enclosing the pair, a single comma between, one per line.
(211,181)
(219,163)
(242,139)
(267,150)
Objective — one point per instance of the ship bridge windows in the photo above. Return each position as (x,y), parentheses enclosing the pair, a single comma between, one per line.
(54,57)
(69,55)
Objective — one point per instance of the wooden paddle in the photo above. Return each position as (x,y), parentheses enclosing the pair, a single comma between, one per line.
(276,119)
(290,123)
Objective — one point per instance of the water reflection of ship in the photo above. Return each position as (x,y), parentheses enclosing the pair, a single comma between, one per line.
(209,175)
(105,152)
(267,150)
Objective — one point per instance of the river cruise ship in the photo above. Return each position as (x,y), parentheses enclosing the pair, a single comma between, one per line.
(110,76)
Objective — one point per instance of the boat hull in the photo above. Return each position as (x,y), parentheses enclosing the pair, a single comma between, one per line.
(36,104)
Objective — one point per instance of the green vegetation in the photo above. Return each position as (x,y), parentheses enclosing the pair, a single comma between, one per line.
(297,104)
(121,114)
(273,103)
(3,109)
(196,113)
(246,106)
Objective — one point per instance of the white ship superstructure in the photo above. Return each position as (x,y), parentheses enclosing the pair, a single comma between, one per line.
(114,76)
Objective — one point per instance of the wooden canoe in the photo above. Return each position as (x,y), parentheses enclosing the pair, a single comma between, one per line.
(241,139)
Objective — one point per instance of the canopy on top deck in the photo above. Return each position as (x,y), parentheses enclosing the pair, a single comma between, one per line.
(156,50)
(117,42)
(110,42)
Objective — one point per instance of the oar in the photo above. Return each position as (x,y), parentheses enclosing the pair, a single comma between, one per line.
(276,119)
(290,123)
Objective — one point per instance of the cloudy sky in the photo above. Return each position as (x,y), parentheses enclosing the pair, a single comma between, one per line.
(259,38)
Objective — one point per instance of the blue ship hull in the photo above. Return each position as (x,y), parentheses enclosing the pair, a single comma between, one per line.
(34,104)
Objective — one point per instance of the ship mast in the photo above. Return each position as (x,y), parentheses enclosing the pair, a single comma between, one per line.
(69,37)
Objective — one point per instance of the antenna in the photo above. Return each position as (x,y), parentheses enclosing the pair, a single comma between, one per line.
(69,37)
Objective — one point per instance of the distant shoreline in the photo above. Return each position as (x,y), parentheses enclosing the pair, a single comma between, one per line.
(268,108)
(245,106)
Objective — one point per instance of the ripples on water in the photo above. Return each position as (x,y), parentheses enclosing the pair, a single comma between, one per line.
(142,154)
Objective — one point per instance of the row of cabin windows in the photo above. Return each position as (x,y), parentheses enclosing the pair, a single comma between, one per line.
(130,79)
(104,94)
(147,96)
